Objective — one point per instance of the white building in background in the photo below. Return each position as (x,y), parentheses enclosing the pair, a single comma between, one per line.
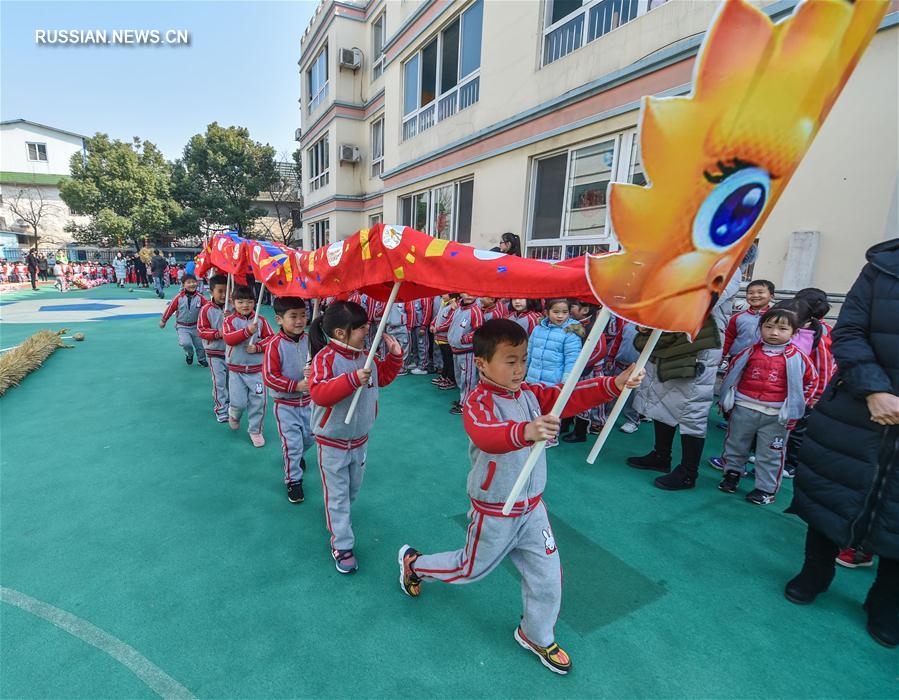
(34,160)
(468,118)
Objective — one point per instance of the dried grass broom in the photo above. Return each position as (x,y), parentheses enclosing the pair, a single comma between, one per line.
(23,359)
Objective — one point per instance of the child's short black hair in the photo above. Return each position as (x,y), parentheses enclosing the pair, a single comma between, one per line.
(282,305)
(781,312)
(217,280)
(552,302)
(496,331)
(243,292)
(816,299)
(762,283)
(188,276)
(592,308)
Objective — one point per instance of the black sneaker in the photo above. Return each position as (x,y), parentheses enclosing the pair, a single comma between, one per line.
(295,491)
(203,363)
(189,359)
(789,472)
(652,461)
(730,482)
(759,497)
(456,410)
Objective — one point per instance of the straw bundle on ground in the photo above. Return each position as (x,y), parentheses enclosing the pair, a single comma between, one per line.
(17,363)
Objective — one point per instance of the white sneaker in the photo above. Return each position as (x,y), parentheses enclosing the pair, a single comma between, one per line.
(418,371)
(629,427)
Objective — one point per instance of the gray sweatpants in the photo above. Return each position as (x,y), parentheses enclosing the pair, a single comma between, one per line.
(528,541)
(246,392)
(296,436)
(401,335)
(220,402)
(342,472)
(190,340)
(771,446)
(466,373)
(418,348)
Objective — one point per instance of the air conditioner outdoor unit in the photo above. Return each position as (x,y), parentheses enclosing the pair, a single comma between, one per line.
(349,154)
(298,134)
(351,58)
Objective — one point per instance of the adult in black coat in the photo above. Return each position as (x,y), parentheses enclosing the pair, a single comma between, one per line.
(32,262)
(847,480)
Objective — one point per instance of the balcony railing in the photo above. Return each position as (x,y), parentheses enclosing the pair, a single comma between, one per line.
(590,22)
(462,96)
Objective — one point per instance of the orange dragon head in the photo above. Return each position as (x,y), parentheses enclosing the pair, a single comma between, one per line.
(718,160)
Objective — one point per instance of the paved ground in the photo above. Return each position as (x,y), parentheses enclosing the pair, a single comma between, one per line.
(162,549)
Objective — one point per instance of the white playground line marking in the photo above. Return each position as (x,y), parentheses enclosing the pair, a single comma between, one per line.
(154,677)
(67,311)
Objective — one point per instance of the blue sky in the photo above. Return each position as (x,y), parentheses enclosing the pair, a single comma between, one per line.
(240,69)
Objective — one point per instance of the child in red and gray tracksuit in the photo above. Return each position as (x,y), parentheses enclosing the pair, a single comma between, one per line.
(286,374)
(210,325)
(419,314)
(186,305)
(337,339)
(503,418)
(246,340)
(764,393)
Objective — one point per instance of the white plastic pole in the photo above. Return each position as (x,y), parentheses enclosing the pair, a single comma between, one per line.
(599,326)
(622,399)
(374,348)
(316,307)
(228,291)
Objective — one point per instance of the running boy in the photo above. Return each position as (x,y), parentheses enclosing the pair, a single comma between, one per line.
(765,391)
(186,305)
(210,328)
(500,443)
(245,340)
(286,374)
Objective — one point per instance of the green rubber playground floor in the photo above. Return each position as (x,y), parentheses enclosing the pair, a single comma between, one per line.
(124,504)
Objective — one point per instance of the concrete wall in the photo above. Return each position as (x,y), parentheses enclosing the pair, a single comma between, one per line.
(14,152)
(55,217)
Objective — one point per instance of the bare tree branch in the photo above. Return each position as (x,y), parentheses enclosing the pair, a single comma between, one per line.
(30,206)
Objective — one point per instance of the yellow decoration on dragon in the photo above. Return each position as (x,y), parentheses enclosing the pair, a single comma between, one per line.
(718,160)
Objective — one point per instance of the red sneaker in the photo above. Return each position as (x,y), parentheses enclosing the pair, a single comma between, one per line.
(852,558)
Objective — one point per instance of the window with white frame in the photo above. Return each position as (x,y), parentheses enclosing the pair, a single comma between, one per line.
(37,151)
(570,24)
(378,39)
(442,212)
(444,77)
(319,233)
(317,79)
(568,208)
(377,147)
(375,219)
(319,160)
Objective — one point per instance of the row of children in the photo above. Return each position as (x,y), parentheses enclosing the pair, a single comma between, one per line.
(312,376)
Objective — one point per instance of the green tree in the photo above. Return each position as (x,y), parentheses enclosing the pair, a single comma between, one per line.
(218,177)
(126,190)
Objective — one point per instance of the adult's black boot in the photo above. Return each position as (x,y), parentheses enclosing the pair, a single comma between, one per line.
(882,604)
(683,476)
(659,459)
(817,570)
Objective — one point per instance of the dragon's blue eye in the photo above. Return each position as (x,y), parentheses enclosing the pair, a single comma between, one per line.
(731,209)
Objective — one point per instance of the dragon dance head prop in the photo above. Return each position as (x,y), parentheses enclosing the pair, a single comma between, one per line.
(718,160)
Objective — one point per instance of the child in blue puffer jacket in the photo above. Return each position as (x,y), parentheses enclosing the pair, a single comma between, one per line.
(554,345)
